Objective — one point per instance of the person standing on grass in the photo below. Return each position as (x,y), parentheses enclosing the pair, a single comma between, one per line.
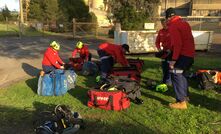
(163,46)
(83,51)
(183,48)
(51,60)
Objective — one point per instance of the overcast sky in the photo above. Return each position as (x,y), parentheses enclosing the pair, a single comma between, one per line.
(11,4)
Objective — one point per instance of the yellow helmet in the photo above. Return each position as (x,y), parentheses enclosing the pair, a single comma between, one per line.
(55,45)
(79,45)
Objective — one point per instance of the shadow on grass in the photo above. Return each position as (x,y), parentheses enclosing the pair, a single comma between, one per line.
(30,70)
(96,126)
(33,84)
(142,128)
(79,93)
(206,102)
(24,120)
(15,121)
(20,120)
(150,96)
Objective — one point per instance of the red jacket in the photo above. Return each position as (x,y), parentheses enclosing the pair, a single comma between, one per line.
(182,40)
(51,58)
(84,52)
(163,39)
(115,51)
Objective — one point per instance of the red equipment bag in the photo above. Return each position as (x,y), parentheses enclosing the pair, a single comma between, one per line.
(108,100)
(130,72)
(137,63)
(76,63)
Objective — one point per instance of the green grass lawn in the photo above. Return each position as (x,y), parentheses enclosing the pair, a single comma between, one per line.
(20,106)
(13,30)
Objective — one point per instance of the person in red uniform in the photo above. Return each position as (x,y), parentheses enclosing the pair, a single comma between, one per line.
(109,54)
(183,48)
(51,59)
(83,51)
(163,46)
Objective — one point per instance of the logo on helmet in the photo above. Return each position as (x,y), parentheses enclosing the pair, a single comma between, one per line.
(79,45)
(55,45)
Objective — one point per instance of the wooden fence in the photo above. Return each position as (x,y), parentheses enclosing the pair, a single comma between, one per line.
(84,29)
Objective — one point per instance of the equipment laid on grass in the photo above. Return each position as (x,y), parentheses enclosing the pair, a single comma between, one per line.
(108,100)
(77,63)
(71,78)
(89,68)
(129,72)
(208,79)
(130,87)
(60,121)
(56,83)
(137,63)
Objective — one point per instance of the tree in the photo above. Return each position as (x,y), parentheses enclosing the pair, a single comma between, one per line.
(132,14)
(6,13)
(44,10)
(75,9)
(36,11)
(50,9)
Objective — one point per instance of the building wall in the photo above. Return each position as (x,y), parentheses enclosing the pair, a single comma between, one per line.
(98,8)
(193,7)
(95,4)
(182,7)
(206,8)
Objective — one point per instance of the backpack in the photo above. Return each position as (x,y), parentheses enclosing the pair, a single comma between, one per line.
(89,68)
(60,121)
(206,80)
(125,84)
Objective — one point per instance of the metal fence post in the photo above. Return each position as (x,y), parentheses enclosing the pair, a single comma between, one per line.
(117,33)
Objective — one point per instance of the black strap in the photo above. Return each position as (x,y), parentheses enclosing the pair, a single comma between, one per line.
(111,102)
(95,100)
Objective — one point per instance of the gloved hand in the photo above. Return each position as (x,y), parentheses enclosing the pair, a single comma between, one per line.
(159,54)
(171,64)
(62,67)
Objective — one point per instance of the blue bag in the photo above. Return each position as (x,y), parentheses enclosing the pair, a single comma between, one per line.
(45,85)
(60,82)
(54,83)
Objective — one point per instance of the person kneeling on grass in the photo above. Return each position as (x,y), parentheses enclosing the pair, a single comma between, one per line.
(83,51)
(51,60)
